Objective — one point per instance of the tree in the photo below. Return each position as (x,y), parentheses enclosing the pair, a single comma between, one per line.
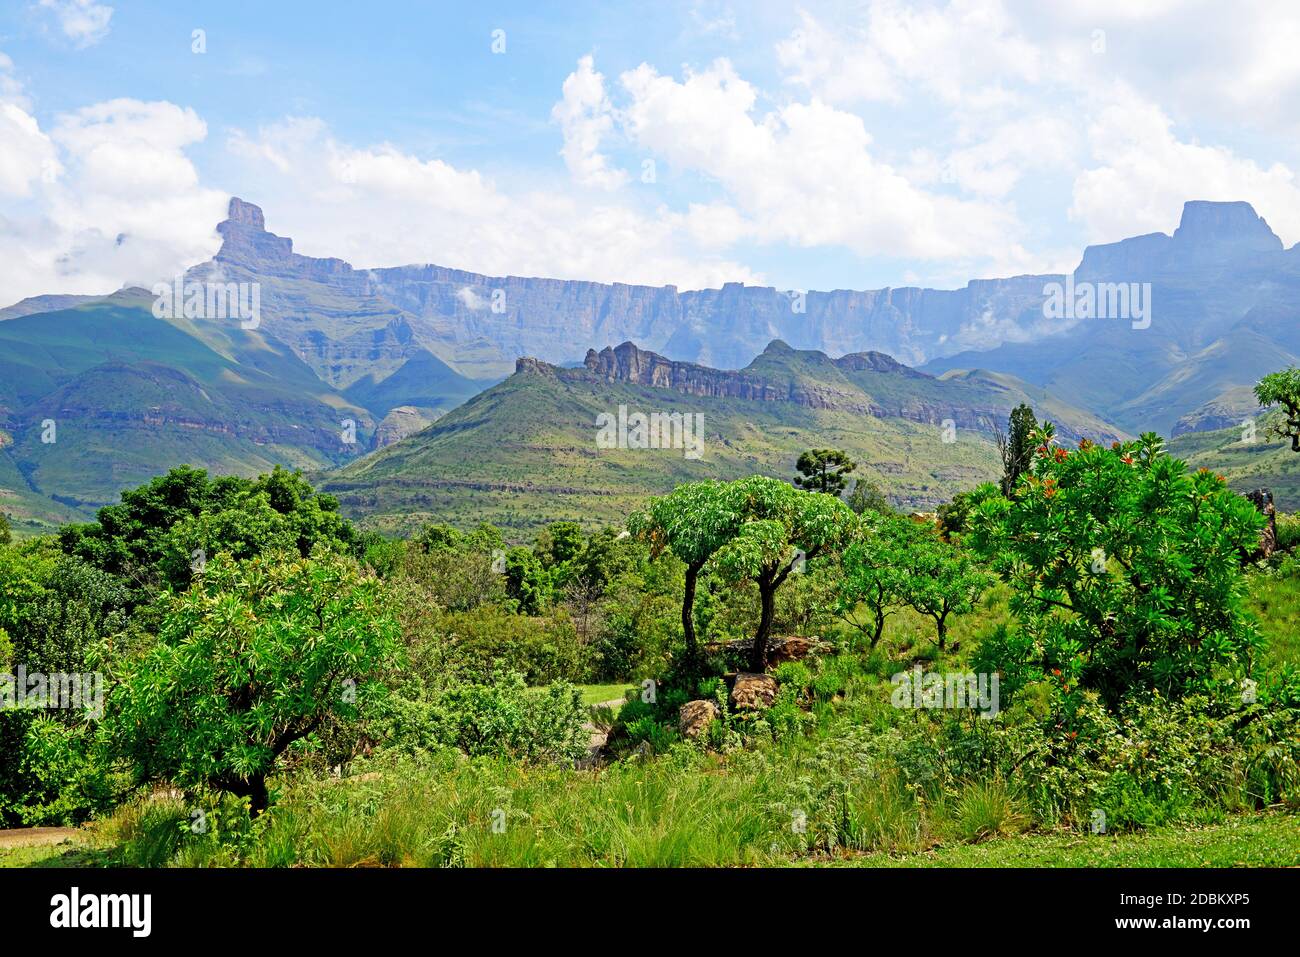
(824,470)
(163,531)
(1283,388)
(1125,568)
(1017,446)
(779,528)
(6,536)
(692,522)
(255,657)
(936,577)
(527,581)
(868,497)
(872,571)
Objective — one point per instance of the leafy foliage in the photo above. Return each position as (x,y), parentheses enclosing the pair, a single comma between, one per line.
(163,531)
(1283,388)
(1016,448)
(1125,568)
(257,656)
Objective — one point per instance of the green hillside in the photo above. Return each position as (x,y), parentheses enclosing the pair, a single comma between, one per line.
(1266,462)
(130,396)
(525,452)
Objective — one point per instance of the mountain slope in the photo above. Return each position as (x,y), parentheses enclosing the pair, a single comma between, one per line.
(1225,310)
(100,397)
(1261,461)
(528,450)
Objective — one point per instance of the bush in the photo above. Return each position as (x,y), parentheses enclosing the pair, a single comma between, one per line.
(506,717)
(1125,568)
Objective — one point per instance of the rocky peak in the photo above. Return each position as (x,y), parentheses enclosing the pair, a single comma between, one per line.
(244,238)
(245,214)
(1209,232)
(878,362)
(1224,227)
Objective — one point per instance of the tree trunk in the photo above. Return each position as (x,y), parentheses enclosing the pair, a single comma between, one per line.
(942,622)
(688,614)
(758,656)
(880,628)
(258,799)
(253,788)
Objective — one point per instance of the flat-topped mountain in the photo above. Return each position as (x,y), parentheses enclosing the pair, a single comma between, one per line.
(360,329)
(1223,310)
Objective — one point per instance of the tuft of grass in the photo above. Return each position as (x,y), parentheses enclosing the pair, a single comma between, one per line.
(986,809)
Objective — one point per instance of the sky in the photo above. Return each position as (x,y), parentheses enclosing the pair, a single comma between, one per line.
(820,145)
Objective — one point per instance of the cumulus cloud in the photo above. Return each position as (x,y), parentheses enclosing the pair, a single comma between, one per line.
(962,53)
(1144,173)
(378,205)
(585,117)
(28,156)
(804,173)
(108,198)
(84,22)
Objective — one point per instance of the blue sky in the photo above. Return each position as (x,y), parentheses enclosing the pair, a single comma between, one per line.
(824,145)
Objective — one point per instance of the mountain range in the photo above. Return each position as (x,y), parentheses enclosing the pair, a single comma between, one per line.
(529,450)
(343,367)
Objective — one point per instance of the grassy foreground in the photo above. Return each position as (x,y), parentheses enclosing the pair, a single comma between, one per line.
(1270,840)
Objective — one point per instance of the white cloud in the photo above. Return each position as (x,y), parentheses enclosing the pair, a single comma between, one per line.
(1144,173)
(963,53)
(803,173)
(84,22)
(29,156)
(380,206)
(471,299)
(585,117)
(117,200)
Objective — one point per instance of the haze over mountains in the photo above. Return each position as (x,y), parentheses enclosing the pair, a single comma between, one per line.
(344,360)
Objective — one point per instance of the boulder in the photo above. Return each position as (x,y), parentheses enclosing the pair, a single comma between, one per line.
(793,648)
(753,692)
(695,717)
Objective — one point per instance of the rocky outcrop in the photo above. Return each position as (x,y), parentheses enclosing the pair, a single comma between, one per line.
(793,648)
(398,424)
(694,718)
(1207,233)
(753,692)
(865,384)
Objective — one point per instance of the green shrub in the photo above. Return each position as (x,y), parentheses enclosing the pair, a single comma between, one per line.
(505,717)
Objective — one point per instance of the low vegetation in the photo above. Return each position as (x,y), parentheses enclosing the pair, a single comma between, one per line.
(1071,666)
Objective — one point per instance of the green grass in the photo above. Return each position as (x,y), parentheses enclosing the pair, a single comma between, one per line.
(1274,600)
(597,694)
(1267,840)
